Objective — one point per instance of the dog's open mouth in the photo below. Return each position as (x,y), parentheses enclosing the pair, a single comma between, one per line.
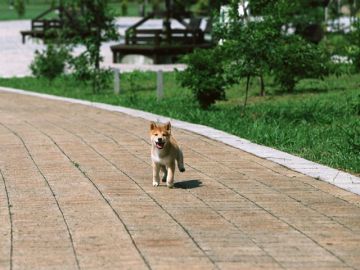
(160,145)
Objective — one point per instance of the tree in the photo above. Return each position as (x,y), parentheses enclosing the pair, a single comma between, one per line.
(306,16)
(255,47)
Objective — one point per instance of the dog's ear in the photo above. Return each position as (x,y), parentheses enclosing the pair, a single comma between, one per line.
(152,125)
(168,126)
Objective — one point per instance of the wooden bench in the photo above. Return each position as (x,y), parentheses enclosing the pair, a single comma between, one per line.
(43,28)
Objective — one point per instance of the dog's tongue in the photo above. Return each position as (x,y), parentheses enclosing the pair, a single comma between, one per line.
(160,145)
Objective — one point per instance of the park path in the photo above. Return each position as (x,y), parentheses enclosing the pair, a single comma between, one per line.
(76,193)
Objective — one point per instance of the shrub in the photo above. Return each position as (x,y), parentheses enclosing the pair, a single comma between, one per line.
(297,59)
(81,67)
(20,7)
(124,7)
(83,72)
(354,49)
(204,76)
(49,63)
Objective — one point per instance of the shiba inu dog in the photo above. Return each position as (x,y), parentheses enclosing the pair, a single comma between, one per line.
(164,152)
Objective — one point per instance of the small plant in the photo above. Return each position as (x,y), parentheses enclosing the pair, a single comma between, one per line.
(204,76)
(82,70)
(49,63)
(354,48)
(124,7)
(81,67)
(20,7)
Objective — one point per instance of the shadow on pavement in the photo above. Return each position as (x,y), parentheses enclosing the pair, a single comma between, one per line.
(189,184)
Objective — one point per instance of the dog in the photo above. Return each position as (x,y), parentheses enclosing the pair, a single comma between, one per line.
(164,152)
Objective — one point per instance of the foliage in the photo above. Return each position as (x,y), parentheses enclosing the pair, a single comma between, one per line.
(81,67)
(249,49)
(306,16)
(89,23)
(204,76)
(82,72)
(354,49)
(19,6)
(256,47)
(297,59)
(124,7)
(49,63)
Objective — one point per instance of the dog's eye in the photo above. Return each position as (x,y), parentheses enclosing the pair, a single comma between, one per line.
(155,134)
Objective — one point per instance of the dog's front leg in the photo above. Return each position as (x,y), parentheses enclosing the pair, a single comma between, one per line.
(156,174)
(164,170)
(170,175)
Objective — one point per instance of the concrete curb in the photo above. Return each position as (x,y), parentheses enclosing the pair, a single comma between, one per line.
(335,177)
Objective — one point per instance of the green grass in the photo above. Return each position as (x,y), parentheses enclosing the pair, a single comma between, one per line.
(35,7)
(320,121)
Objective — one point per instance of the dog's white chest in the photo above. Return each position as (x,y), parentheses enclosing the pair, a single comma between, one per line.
(157,159)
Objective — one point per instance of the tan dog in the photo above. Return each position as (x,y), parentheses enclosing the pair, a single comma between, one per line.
(164,152)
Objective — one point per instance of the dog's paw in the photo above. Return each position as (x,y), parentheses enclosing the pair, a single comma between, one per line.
(155,184)
(170,185)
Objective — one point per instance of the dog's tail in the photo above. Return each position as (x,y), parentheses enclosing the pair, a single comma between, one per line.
(180,161)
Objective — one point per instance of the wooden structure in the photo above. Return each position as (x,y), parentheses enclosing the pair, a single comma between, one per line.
(44,28)
(165,43)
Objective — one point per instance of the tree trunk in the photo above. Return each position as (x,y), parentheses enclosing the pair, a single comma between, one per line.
(247,90)
(262,86)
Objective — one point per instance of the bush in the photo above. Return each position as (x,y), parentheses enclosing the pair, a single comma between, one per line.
(204,76)
(354,49)
(20,7)
(297,59)
(81,67)
(83,71)
(49,63)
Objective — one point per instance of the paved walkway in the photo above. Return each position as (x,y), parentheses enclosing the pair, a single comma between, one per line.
(76,193)
(16,57)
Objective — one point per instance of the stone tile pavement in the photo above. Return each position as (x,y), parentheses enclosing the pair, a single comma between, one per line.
(76,193)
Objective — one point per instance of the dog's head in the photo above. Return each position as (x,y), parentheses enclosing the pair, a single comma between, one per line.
(160,134)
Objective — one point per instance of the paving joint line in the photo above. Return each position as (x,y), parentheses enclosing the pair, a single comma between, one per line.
(244,174)
(194,195)
(279,192)
(200,199)
(52,192)
(280,219)
(151,197)
(101,194)
(312,169)
(11,220)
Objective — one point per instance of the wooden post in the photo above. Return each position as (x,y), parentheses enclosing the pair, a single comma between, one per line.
(116,81)
(160,85)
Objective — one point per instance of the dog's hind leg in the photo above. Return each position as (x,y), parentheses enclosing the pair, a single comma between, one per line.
(180,161)
(164,171)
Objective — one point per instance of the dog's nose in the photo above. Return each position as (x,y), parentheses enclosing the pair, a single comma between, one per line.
(159,139)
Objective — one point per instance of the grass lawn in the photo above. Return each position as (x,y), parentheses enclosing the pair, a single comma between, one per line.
(34,8)
(320,121)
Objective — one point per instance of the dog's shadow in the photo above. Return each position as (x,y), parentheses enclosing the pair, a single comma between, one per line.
(189,184)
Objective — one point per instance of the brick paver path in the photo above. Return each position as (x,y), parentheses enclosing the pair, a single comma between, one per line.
(76,193)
